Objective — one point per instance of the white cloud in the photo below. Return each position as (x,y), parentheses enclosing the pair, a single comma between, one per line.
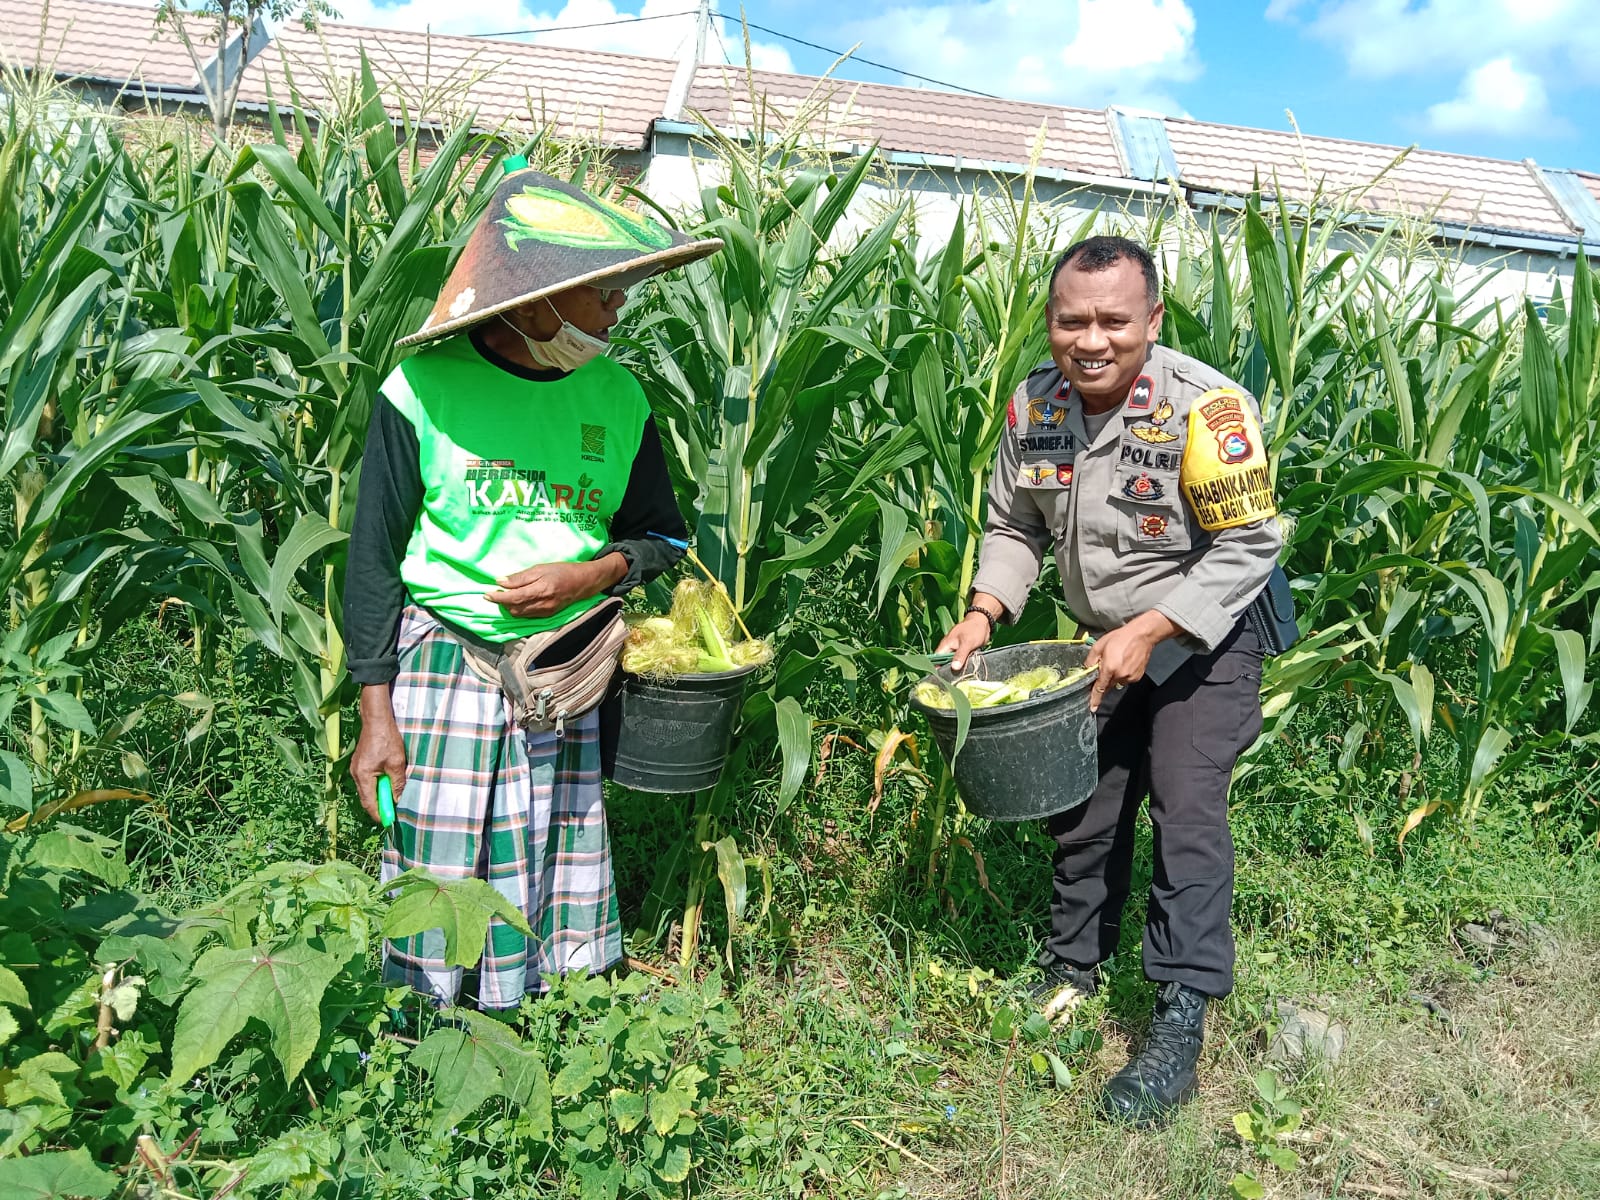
(764,56)
(1508,55)
(1387,38)
(668,29)
(1088,52)
(1495,98)
(1136,35)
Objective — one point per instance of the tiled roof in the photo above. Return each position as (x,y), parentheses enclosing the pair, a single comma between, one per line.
(92,39)
(1455,188)
(612,98)
(1590,181)
(913,120)
(616,98)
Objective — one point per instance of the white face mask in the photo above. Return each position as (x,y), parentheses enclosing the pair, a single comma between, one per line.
(570,349)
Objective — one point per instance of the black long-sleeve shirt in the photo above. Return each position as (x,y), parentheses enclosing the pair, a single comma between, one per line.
(643,530)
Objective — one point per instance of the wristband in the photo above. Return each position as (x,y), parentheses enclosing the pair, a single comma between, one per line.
(985,614)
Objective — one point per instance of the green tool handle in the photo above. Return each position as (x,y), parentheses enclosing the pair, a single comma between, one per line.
(385,801)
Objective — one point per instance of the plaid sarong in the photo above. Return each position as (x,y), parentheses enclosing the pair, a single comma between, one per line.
(524,811)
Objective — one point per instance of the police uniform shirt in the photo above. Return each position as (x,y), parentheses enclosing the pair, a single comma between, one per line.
(1167,506)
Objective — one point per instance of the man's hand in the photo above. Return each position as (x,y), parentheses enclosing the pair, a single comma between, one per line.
(969,634)
(546,589)
(972,632)
(379,749)
(1123,654)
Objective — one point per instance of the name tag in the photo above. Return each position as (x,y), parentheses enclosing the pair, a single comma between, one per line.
(1048,443)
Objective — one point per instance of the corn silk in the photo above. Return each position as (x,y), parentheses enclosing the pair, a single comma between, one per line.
(987,693)
(697,637)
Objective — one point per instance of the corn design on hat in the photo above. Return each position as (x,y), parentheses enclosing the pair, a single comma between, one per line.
(541,235)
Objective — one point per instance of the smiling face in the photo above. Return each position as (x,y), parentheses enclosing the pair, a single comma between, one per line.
(1101,330)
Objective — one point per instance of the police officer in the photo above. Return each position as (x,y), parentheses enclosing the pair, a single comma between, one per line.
(1146,472)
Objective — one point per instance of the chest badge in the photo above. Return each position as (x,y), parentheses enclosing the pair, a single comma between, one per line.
(1033,474)
(1144,488)
(1046,413)
(1064,474)
(1139,397)
(1152,432)
(1153,526)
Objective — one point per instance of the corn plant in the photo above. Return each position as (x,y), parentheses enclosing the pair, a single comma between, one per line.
(86,390)
(1400,411)
(747,358)
(192,335)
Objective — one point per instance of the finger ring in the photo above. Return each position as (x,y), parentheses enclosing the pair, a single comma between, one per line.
(1118,687)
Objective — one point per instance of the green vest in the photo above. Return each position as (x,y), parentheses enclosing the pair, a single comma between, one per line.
(515,473)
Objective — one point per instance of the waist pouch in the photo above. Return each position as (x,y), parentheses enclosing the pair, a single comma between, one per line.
(553,676)
(1271,615)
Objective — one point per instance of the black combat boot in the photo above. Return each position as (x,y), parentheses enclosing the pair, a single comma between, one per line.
(1161,1076)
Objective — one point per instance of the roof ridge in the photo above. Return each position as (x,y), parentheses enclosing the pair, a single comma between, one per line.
(576,53)
(900,87)
(938,105)
(116,3)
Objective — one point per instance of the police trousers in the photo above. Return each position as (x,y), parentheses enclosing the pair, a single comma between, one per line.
(1176,742)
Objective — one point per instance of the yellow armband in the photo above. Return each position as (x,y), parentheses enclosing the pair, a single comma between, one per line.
(1225,475)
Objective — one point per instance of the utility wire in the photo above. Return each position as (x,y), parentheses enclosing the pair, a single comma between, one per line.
(716,28)
(591,25)
(789,37)
(722,16)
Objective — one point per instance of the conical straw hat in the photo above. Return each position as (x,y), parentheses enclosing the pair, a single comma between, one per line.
(541,235)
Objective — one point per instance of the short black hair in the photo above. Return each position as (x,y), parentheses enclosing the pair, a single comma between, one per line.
(1100,253)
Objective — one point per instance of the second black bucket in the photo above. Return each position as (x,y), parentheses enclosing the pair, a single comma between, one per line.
(676,732)
(1029,760)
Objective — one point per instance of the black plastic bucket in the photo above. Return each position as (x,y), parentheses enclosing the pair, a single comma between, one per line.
(676,732)
(1029,760)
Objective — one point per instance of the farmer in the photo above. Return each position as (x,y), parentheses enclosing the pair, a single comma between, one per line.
(1146,472)
(513,479)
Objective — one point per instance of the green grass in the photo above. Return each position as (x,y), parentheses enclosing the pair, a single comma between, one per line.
(875,1065)
(227,766)
(882,1026)
(880,1023)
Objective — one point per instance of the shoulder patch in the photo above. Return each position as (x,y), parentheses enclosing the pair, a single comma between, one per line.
(1199,375)
(1225,475)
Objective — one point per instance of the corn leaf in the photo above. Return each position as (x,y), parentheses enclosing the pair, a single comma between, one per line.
(794,741)
(1570,659)
(1539,400)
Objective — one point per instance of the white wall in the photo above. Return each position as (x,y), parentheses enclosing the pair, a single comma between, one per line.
(678,168)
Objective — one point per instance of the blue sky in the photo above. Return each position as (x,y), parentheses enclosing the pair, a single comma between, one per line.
(1503,78)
